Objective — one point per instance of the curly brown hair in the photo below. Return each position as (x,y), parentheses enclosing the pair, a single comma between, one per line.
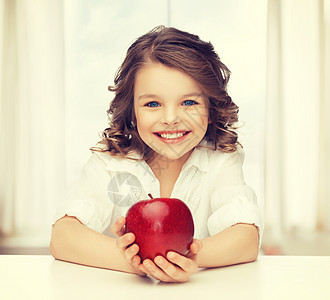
(185,52)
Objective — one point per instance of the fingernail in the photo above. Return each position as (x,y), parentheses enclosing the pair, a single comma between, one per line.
(159,260)
(171,255)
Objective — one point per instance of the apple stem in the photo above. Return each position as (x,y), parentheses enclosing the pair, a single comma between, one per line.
(150,196)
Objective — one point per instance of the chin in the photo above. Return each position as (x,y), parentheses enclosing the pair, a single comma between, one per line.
(173,153)
(173,150)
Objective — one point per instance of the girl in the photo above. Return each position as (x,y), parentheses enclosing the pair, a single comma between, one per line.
(171,134)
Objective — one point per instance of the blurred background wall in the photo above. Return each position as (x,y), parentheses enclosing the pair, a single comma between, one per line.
(58,57)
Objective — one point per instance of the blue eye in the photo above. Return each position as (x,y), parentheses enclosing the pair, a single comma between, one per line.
(189,102)
(152,104)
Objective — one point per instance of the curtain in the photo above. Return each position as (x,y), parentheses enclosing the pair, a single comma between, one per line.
(32,157)
(297,141)
(323,221)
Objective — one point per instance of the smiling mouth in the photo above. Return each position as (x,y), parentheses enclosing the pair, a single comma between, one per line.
(171,135)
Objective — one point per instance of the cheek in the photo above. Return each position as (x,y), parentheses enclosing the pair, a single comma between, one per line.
(138,117)
(202,119)
(144,124)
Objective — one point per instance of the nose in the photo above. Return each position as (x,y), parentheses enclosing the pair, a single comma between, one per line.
(170,117)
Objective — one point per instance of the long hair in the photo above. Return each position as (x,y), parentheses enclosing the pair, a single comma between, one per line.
(187,53)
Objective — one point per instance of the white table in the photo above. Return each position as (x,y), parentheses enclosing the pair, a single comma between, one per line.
(270,277)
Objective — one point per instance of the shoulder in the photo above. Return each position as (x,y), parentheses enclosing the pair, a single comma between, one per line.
(218,158)
(102,157)
(224,168)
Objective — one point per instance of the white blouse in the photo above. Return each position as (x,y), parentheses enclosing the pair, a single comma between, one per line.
(211,183)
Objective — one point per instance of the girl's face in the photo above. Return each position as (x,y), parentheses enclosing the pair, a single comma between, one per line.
(171,110)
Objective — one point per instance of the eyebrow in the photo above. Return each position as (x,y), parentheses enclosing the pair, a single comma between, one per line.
(148,96)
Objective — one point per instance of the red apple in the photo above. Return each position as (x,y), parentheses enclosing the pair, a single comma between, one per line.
(160,225)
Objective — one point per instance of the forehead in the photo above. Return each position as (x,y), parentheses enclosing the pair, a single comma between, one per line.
(156,78)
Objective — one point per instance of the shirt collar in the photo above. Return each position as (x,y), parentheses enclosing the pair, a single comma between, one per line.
(198,158)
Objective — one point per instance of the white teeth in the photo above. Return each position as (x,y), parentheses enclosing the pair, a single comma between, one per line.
(172,135)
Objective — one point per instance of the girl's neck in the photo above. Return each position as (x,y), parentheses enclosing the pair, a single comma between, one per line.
(167,172)
(163,165)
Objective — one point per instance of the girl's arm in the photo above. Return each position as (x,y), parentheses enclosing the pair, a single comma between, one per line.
(74,242)
(236,244)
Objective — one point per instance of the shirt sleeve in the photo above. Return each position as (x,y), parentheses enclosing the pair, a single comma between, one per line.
(88,200)
(232,201)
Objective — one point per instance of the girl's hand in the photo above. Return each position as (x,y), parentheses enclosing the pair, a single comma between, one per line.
(126,246)
(175,268)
